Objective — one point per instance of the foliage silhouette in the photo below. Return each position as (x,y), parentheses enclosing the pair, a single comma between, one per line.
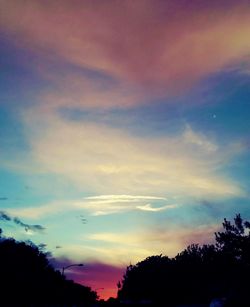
(27,279)
(196,275)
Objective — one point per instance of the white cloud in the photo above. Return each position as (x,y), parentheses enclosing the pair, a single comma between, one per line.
(115,255)
(102,160)
(148,207)
(115,238)
(124,248)
(94,205)
(123,172)
(110,204)
(36,212)
(120,248)
(116,198)
(190,137)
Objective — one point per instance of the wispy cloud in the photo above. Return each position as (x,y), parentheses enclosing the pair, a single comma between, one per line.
(125,198)
(148,207)
(36,211)
(110,204)
(122,248)
(198,140)
(94,205)
(157,240)
(108,253)
(145,173)
(105,159)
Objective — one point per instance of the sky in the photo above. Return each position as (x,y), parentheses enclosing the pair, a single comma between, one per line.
(124,128)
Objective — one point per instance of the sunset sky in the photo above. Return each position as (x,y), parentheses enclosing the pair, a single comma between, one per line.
(124,127)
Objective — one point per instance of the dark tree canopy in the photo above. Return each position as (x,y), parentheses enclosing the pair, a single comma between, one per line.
(27,279)
(234,241)
(196,275)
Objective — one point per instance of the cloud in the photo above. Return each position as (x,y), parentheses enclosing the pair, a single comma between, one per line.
(42,246)
(146,174)
(73,90)
(103,159)
(4,216)
(94,205)
(191,137)
(3,198)
(117,238)
(113,254)
(39,211)
(28,228)
(160,46)
(167,240)
(157,240)
(83,219)
(148,207)
(122,248)
(184,235)
(123,198)
(110,204)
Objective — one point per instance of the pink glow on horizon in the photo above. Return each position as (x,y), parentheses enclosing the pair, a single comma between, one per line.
(102,278)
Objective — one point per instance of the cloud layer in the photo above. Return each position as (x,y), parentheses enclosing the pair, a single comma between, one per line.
(103,159)
(96,206)
(121,248)
(161,46)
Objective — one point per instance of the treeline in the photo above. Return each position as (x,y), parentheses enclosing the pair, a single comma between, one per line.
(197,275)
(27,279)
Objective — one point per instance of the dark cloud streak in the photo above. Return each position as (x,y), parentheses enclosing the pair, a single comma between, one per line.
(42,246)
(83,220)
(36,228)
(4,216)
(28,227)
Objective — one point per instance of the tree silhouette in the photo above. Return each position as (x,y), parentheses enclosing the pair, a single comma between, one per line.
(235,239)
(234,246)
(196,275)
(27,279)
(145,280)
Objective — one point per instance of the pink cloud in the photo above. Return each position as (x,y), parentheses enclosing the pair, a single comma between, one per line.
(163,46)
